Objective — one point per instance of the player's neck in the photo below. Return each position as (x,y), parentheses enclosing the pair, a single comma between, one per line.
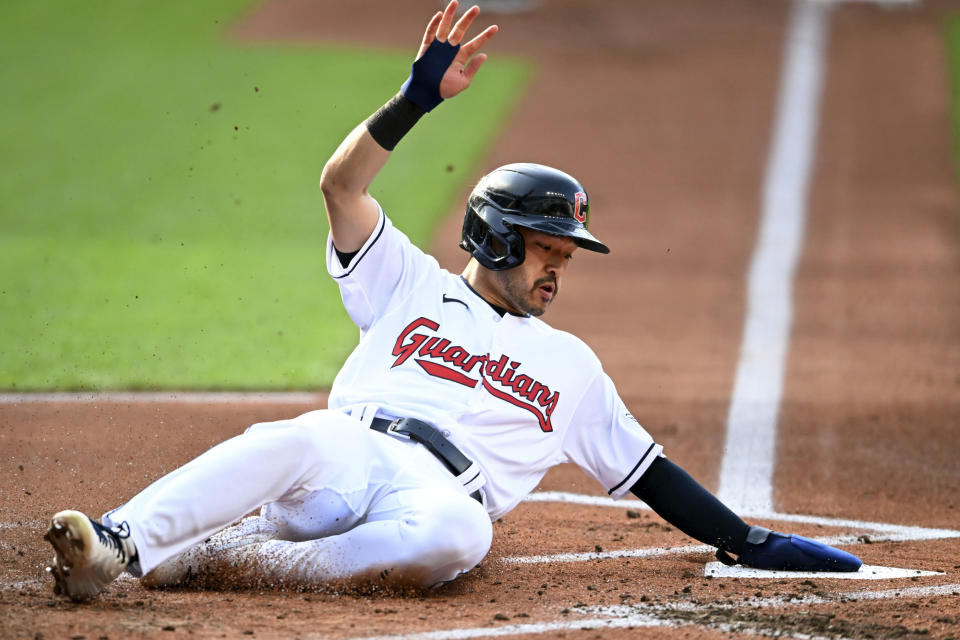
(483,284)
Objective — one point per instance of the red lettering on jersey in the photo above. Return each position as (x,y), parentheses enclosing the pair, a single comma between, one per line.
(440,371)
(521,384)
(455,356)
(543,417)
(579,199)
(519,390)
(428,347)
(405,349)
(473,361)
(539,393)
(494,368)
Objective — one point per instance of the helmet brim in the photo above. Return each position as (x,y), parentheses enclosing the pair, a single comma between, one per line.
(556,226)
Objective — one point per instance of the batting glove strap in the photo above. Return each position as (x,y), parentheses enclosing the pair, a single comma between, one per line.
(766,549)
(423,85)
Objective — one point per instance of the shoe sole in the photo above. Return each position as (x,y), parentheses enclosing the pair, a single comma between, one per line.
(71,535)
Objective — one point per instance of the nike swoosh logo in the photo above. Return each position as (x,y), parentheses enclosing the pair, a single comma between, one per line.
(447,298)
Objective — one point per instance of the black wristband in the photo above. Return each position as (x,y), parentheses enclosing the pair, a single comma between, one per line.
(393,120)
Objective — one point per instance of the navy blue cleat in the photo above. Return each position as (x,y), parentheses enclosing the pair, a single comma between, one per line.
(765,549)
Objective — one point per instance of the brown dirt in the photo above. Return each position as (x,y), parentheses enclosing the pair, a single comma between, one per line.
(873,379)
(663,109)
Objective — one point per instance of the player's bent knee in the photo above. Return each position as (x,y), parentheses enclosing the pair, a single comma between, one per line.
(457,533)
(468,533)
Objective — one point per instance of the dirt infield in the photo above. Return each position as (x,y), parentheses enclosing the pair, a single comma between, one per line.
(664,110)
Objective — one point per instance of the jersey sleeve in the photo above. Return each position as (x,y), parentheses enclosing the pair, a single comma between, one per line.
(606,441)
(386,269)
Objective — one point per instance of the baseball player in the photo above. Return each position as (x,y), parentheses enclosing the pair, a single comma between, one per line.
(452,407)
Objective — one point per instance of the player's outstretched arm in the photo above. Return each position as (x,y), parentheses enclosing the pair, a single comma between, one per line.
(680,500)
(444,67)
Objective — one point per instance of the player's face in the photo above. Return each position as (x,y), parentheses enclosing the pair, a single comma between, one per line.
(532,286)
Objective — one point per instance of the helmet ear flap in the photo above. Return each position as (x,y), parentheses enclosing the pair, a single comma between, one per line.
(494,244)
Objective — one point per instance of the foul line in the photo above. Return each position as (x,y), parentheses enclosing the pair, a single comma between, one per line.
(906,532)
(746,475)
(872,531)
(674,614)
(579,498)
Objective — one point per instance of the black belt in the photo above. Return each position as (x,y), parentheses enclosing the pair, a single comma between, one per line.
(435,442)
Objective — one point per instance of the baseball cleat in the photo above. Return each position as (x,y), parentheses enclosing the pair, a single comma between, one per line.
(87,555)
(765,549)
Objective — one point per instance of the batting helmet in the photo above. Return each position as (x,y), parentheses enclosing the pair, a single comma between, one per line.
(526,195)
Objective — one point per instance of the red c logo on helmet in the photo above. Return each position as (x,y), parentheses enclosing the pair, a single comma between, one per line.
(579,199)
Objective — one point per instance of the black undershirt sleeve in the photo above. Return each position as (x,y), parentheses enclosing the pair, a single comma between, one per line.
(680,500)
(345,258)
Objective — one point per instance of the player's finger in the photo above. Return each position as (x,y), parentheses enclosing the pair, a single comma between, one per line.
(474,45)
(430,33)
(463,24)
(443,31)
(471,69)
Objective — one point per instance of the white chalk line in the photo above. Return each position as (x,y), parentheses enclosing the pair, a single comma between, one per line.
(866,572)
(633,621)
(908,532)
(669,614)
(589,556)
(579,498)
(872,532)
(746,473)
(653,552)
(622,622)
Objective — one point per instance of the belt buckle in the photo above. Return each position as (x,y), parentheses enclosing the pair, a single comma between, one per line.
(392,428)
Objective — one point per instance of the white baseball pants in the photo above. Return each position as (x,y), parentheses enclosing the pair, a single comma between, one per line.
(349,503)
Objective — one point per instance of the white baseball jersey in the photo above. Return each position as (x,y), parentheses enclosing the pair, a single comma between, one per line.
(512,393)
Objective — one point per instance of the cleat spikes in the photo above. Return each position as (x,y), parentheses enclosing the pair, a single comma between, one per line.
(88,556)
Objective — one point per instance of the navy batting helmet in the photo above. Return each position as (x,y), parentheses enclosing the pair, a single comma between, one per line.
(527,195)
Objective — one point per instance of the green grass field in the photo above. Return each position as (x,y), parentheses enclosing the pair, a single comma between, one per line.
(160,223)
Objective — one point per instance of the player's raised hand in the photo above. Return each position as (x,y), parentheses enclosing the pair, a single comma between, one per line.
(445,65)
